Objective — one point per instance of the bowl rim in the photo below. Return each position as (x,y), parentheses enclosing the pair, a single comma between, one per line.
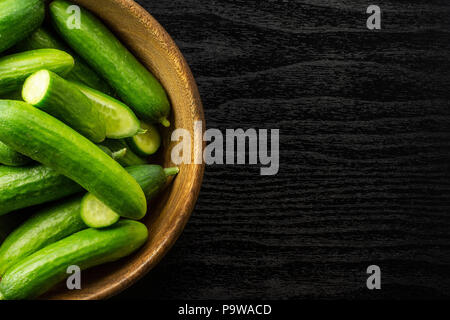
(150,260)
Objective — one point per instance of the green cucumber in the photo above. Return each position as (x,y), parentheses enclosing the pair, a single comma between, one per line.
(127,160)
(44,39)
(10,157)
(37,273)
(147,143)
(15,68)
(22,187)
(43,228)
(45,139)
(134,84)
(62,99)
(151,178)
(120,120)
(18,18)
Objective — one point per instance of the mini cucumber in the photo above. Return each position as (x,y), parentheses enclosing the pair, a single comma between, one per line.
(135,85)
(37,273)
(146,143)
(45,139)
(18,18)
(10,157)
(120,120)
(151,178)
(127,160)
(47,226)
(22,187)
(44,39)
(15,68)
(62,99)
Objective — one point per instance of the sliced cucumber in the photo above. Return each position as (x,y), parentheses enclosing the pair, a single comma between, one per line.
(96,214)
(146,143)
(151,178)
(60,98)
(120,120)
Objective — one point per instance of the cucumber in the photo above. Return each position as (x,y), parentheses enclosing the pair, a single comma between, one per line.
(120,120)
(45,139)
(134,84)
(60,98)
(44,39)
(18,18)
(45,227)
(37,273)
(151,178)
(15,68)
(10,157)
(115,155)
(22,187)
(127,160)
(147,143)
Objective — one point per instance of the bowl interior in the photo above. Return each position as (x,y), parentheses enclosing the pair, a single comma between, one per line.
(167,216)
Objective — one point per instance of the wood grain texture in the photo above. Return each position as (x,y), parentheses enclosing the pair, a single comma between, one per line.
(365,150)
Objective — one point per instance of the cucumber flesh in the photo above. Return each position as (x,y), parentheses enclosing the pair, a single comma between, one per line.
(146,143)
(96,214)
(151,178)
(120,120)
(60,98)
(37,273)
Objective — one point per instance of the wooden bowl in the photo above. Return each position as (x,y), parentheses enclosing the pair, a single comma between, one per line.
(167,217)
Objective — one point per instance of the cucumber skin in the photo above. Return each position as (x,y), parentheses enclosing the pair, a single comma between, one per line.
(18,18)
(104,101)
(136,86)
(37,273)
(65,102)
(44,39)
(130,158)
(21,187)
(150,177)
(10,157)
(43,228)
(45,139)
(14,69)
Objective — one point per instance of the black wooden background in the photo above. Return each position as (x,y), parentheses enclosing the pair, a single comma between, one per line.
(364,177)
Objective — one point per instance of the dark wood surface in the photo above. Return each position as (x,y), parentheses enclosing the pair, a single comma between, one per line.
(364,177)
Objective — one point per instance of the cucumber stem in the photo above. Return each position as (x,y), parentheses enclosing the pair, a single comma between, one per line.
(141,131)
(165,122)
(171,171)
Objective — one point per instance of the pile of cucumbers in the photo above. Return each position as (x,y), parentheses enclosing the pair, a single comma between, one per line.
(79,116)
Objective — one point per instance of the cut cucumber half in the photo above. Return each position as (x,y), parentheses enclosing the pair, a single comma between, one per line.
(120,120)
(61,99)
(96,214)
(146,143)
